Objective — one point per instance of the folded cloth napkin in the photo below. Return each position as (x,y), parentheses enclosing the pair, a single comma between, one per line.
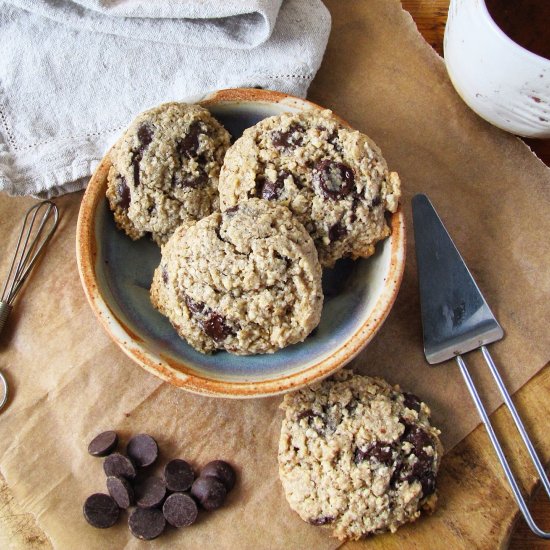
(74,73)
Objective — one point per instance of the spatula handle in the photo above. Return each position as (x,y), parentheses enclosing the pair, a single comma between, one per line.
(496,444)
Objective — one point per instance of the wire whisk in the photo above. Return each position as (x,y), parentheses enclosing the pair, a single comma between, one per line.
(38,227)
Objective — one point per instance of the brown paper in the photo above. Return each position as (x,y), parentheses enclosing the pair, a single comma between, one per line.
(69,381)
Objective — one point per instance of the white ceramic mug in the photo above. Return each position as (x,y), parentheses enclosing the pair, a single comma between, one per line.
(500,80)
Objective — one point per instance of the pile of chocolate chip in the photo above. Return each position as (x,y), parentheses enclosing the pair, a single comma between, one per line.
(171,499)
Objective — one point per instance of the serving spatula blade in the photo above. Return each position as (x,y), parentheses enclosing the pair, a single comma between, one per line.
(456,319)
(455,316)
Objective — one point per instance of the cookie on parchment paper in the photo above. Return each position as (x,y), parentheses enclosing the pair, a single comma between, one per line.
(357,455)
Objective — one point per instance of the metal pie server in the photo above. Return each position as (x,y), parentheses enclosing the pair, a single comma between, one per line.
(455,320)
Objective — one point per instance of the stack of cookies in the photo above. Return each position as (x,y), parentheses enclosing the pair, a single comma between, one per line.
(246,229)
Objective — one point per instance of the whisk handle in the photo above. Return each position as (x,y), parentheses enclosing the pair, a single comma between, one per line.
(5,309)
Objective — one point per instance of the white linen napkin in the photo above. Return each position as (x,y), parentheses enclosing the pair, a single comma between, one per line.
(74,73)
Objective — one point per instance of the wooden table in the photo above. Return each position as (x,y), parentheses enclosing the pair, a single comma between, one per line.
(476,507)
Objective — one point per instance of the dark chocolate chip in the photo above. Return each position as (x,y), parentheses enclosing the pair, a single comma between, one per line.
(164,275)
(222,471)
(101,511)
(337,232)
(190,181)
(418,438)
(150,493)
(231,210)
(180,510)
(334,180)
(428,483)
(103,444)
(271,190)
(377,201)
(397,473)
(216,327)
(146,523)
(411,401)
(194,307)
(136,159)
(323,520)
(143,450)
(119,466)
(380,451)
(290,139)
(178,475)
(335,142)
(308,413)
(189,145)
(120,489)
(145,136)
(209,491)
(123,193)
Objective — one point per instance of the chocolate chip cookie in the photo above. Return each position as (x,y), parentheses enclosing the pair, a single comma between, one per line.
(334,179)
(165,170)
(246,280)
(358,455)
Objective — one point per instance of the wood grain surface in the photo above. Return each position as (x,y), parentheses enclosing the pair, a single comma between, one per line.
(476,508)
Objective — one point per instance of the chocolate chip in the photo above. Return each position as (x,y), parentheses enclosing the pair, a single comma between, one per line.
(119,466)
(150,492)
(123,193)
(290,139)
(377,201)
(146,523)
(164,275)
(180,510)
(103,444)
(145,135)
(216,327)
(417,437)
(190,181)
(194,307)
(271,190)
(209,491)
(136,159)
(222,471)
(121,491)
(189,145)
(178,475)
(101,511)
(337,232)
(411,401)
(397,473)
(212,323)
(143,450)
(334,180)
(305,414)
(428,483)
(380,451)
(323,520)
(231,210)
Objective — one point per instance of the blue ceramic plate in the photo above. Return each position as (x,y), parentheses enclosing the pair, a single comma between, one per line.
(116,273)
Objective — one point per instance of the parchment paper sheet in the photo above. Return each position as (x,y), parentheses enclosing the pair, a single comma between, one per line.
(70,382)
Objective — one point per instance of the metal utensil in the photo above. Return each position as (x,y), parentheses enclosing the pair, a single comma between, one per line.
(39,225)
(455,320)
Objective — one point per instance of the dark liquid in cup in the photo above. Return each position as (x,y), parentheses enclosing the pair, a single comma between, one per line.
(526,22)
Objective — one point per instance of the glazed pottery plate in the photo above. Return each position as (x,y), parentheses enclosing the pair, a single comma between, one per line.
(116,273)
